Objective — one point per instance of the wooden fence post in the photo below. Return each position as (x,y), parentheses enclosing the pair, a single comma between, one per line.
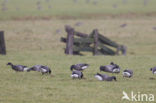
(95,35)
(2,43)
(70,40)
(124,50)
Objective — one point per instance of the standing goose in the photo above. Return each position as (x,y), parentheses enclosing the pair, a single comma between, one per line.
(112,68)
(77,74)
(153,70)
(104,77)
(79,67)
(127,73)
(40,68)
(18,68)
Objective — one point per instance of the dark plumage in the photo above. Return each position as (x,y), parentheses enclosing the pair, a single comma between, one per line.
(77,74)
(123,25)
(18,68)
(112,68)
(79,67)
(41,68)
(127,73)
(104,77)
(153,70)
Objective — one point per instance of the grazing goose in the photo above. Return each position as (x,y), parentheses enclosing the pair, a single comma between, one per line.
(127,73)
(112,68)
(116,69)
(18,68)
(79,67)
(153,70)
(104,77)
(77,74)
(40,68)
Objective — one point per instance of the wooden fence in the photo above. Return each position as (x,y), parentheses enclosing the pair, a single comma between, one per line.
(2,43)
(95,43)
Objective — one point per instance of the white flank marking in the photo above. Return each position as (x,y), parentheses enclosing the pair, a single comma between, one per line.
(98,77)
(44,70)
(74,76)
(25,69)
(84,67)
(116,70)
(126,74)
(154,72)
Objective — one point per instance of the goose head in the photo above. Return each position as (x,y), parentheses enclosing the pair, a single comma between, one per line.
(102,68)
(72,67)
(112,63)
(9,63)
(86,65)
(113,77)
(82,75)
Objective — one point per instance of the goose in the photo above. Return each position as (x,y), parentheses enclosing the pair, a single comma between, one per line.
(79,67)
(116,69)
(127,73)
(40,68)
(104,77)
(153,70)
(18,68)
(112,68)
(77,74)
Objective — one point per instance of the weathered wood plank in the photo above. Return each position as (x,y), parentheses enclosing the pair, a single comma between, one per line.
(124,50)
(79,40)
(70,41)
(81,34)
(84,40)
(87,49)
(95,50)
(2,43)
(107,41)
(105,50)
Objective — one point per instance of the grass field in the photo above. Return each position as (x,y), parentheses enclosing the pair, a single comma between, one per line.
(36,42)
(30,9)
(31,42)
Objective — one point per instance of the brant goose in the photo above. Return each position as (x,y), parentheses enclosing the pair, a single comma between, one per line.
(104,77)
(112,68)
(40,68)
(18,68)
(127,73)
(77,74)
(153,70)
(79,67)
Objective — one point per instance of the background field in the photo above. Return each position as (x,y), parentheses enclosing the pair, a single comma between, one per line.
(37,41)
(30,9)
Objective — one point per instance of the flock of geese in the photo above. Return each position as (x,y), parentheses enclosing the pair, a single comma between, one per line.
(77,70)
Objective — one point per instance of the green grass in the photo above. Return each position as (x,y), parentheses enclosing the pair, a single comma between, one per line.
(36,42)
(18,9)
